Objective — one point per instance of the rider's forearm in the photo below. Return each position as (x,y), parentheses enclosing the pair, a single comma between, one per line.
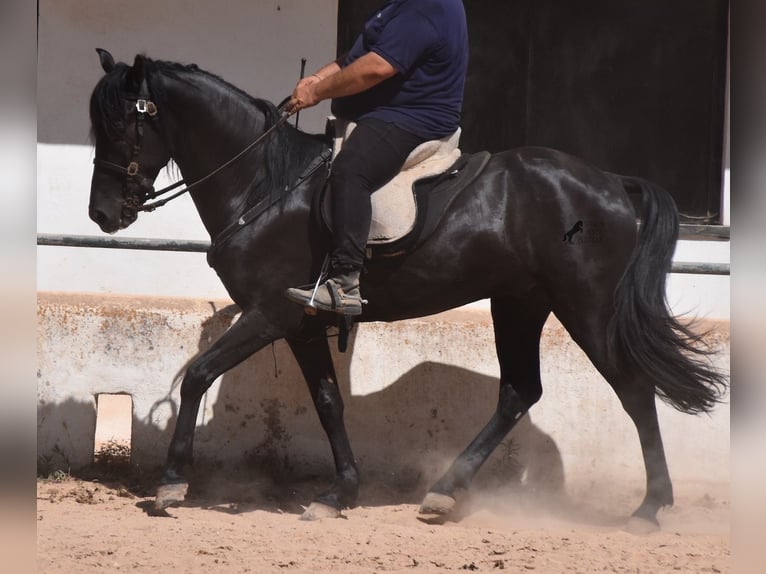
(362,74)
(328,70)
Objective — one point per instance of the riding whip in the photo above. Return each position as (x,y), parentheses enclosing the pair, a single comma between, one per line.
(303,72)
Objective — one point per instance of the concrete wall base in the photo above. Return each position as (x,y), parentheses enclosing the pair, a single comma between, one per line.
(416,393)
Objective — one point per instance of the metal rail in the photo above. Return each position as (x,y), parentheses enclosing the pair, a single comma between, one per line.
(690,231)
(194,246)
(700,268)
(142,244)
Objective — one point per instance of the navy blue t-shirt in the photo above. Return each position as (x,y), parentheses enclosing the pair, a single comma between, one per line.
(427,42)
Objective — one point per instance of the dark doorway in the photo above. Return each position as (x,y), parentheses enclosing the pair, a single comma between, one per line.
(634,86)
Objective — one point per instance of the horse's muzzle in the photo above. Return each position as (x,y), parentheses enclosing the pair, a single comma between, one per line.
(106,223)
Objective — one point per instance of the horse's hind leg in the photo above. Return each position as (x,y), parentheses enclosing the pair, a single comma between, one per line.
(236,345)
(588,328)
(640,405)
(517,325)
(313,355)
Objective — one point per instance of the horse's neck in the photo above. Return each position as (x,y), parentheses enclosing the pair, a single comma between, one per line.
(209,125)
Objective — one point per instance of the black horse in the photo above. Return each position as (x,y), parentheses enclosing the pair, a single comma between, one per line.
(500,239)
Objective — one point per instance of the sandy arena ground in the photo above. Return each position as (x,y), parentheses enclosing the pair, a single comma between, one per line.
(245,524)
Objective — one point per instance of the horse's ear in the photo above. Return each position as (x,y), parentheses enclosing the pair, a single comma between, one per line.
(107,61)
(137,73)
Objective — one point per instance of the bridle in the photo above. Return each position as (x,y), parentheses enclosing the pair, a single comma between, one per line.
(138,189)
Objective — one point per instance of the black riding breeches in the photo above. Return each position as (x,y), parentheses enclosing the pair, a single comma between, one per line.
(371,156)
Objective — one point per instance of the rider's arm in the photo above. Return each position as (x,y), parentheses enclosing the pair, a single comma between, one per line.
(328,70)
(362,74)
(322,73)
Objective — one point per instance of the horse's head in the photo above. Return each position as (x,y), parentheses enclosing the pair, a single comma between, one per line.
(130,150)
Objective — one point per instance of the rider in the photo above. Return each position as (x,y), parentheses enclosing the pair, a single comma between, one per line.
(402,83)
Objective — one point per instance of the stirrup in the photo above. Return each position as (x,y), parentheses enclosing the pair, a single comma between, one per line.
(335,299)
(328,296)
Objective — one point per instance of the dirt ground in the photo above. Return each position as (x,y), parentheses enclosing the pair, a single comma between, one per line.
(242,524)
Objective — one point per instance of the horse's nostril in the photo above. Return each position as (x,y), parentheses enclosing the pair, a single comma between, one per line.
(98,216)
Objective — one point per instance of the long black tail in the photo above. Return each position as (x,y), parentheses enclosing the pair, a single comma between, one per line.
(643,334)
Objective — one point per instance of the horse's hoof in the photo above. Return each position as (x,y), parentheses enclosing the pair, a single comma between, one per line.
(641,526)
(317,511)
(435,503)
(170,494)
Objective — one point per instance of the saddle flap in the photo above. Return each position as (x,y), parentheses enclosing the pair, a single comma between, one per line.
(434,196)
(394,208)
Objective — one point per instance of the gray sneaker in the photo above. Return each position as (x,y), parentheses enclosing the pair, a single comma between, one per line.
(337,294)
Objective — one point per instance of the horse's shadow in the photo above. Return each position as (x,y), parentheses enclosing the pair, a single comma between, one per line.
(262,447)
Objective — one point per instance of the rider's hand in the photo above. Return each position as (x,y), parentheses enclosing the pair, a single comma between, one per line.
(304,95)
(313,79)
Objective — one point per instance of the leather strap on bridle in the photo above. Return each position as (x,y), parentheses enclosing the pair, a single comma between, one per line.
(134,200)
(137,202)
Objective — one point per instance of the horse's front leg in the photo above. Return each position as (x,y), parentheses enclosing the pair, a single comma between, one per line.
(313,355)
(242,339)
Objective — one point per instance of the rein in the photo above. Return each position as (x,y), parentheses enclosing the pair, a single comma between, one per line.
(144,107)
(322,160)
(250,146)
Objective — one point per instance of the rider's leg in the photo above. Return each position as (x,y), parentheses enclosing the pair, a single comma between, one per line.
(371,156)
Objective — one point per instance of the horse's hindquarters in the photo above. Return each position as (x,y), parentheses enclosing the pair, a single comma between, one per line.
(535,220)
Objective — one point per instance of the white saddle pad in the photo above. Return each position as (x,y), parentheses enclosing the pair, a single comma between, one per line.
(393,206)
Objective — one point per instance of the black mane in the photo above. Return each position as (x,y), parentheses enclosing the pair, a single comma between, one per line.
(283,154)
(107,107)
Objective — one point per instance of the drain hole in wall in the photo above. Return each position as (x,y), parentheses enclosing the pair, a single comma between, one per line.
(114,422)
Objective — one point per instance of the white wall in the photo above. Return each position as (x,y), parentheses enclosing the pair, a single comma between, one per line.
(255,45)
(437,390)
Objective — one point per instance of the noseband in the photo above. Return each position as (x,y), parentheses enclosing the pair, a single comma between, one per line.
(137,189)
